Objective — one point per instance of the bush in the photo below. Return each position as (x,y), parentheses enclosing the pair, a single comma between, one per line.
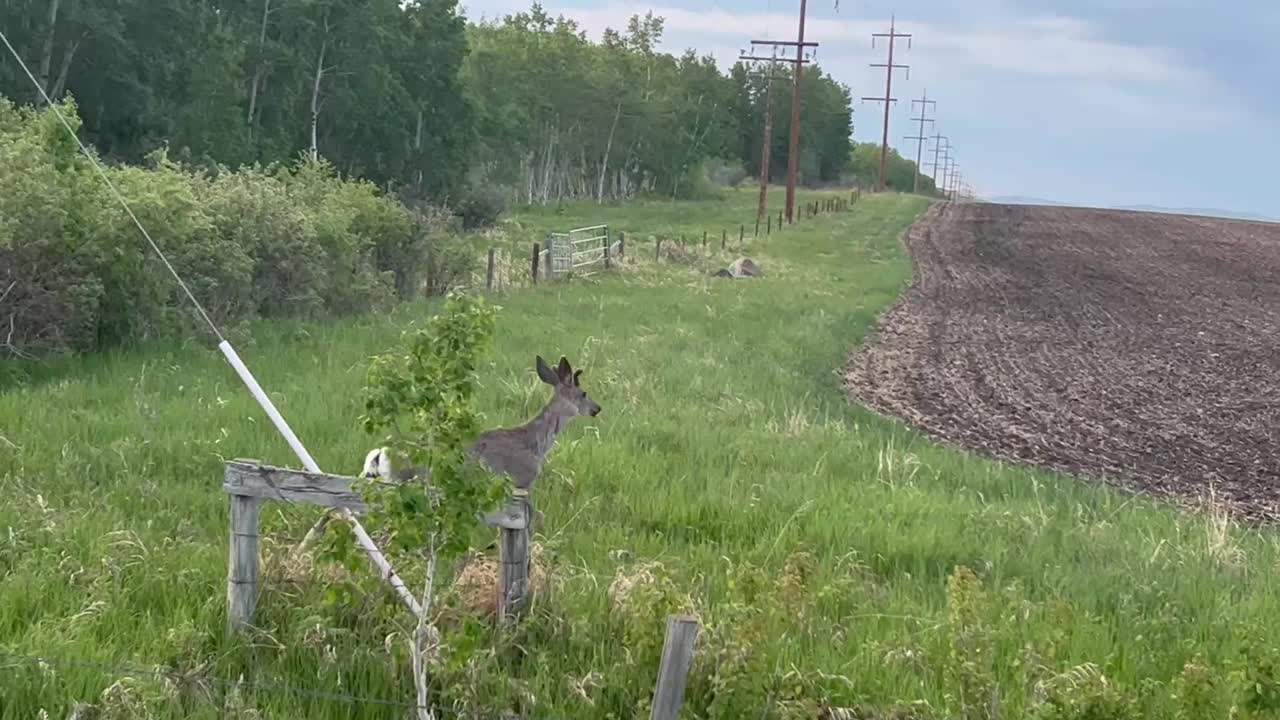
(259,242)
(480,207)
(726,173)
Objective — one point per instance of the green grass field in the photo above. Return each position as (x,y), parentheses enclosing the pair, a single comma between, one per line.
(727,476)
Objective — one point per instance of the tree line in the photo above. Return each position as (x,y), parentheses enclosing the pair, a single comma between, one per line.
(412,97)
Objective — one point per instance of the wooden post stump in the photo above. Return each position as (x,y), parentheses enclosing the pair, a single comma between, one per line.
(673,671)
(513,557)
(242,563)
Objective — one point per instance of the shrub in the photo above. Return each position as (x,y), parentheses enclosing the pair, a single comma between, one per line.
(480,207)
(258,242)
(1082,693)
(726,173)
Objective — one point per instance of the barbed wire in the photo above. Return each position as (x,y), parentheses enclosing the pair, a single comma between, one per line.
(227,683)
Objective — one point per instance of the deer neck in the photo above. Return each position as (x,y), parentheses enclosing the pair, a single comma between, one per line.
(542,430)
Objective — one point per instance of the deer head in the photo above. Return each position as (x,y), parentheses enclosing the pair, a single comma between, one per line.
(569,398)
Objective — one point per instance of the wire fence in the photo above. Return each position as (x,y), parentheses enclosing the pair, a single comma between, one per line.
(586,251)
(9,659)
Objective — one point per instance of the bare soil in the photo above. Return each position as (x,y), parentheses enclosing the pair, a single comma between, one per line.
(1136,348)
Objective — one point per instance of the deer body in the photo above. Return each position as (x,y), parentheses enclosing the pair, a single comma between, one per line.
(517,452)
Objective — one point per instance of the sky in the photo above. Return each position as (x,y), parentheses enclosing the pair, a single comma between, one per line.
(1172,103)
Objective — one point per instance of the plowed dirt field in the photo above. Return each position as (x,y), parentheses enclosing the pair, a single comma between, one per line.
(1137,348)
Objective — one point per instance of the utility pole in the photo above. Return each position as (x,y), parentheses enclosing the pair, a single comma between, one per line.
(920,139)
(937,146)
(888,98)
(946,169)
(940,174)
(766,142)
(793,153)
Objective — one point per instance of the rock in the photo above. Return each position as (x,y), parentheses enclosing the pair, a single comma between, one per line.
(743,267)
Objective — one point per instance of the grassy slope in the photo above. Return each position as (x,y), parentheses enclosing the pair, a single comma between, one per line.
(725,443)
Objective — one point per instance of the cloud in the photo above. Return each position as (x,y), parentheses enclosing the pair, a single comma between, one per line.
(996,60)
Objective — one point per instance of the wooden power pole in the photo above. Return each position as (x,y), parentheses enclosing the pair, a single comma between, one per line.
(920,139)
(766,141)
(888,98)
(937,148)
(793,153)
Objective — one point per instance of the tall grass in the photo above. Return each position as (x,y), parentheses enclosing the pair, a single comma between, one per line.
(727,476)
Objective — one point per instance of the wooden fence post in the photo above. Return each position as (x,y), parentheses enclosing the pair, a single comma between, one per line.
(622,244)
(768,228)
(537,253)
(757,233)
(779,221)
(242,561)
(724,238)
(513,558)
(742,231)
(673,671)
(704,242)
(606,250)
(488,279)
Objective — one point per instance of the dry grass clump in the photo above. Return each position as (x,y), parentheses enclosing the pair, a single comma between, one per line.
(474,591)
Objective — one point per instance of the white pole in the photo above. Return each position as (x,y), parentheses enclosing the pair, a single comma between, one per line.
(309,463)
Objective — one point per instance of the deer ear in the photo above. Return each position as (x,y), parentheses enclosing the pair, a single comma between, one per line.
(576,373)
(545,373)
(565,372)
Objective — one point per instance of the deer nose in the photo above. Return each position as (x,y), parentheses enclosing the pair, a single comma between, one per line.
(595,411)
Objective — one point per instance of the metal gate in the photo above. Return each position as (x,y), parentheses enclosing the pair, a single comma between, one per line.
(578,252)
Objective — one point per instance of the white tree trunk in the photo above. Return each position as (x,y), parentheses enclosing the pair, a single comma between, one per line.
(420,639)
(255,84)
(417,147)
(60,85)
(46,55)
(608,148)
(315,101)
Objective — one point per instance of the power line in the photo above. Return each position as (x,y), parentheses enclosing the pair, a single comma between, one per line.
(888,98)
(920,139)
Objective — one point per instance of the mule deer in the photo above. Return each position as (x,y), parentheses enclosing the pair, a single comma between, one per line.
(517,452)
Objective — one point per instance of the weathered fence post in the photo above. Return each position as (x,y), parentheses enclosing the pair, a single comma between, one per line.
(673,671)
(550,272)
(488,278)
(704,242)
(622,244)
(242,558)
(249,482)
(724,238)
(757,231)
(768,228)
(779,221)
(606,250)
(537,253)
(513,557)
(742,232)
